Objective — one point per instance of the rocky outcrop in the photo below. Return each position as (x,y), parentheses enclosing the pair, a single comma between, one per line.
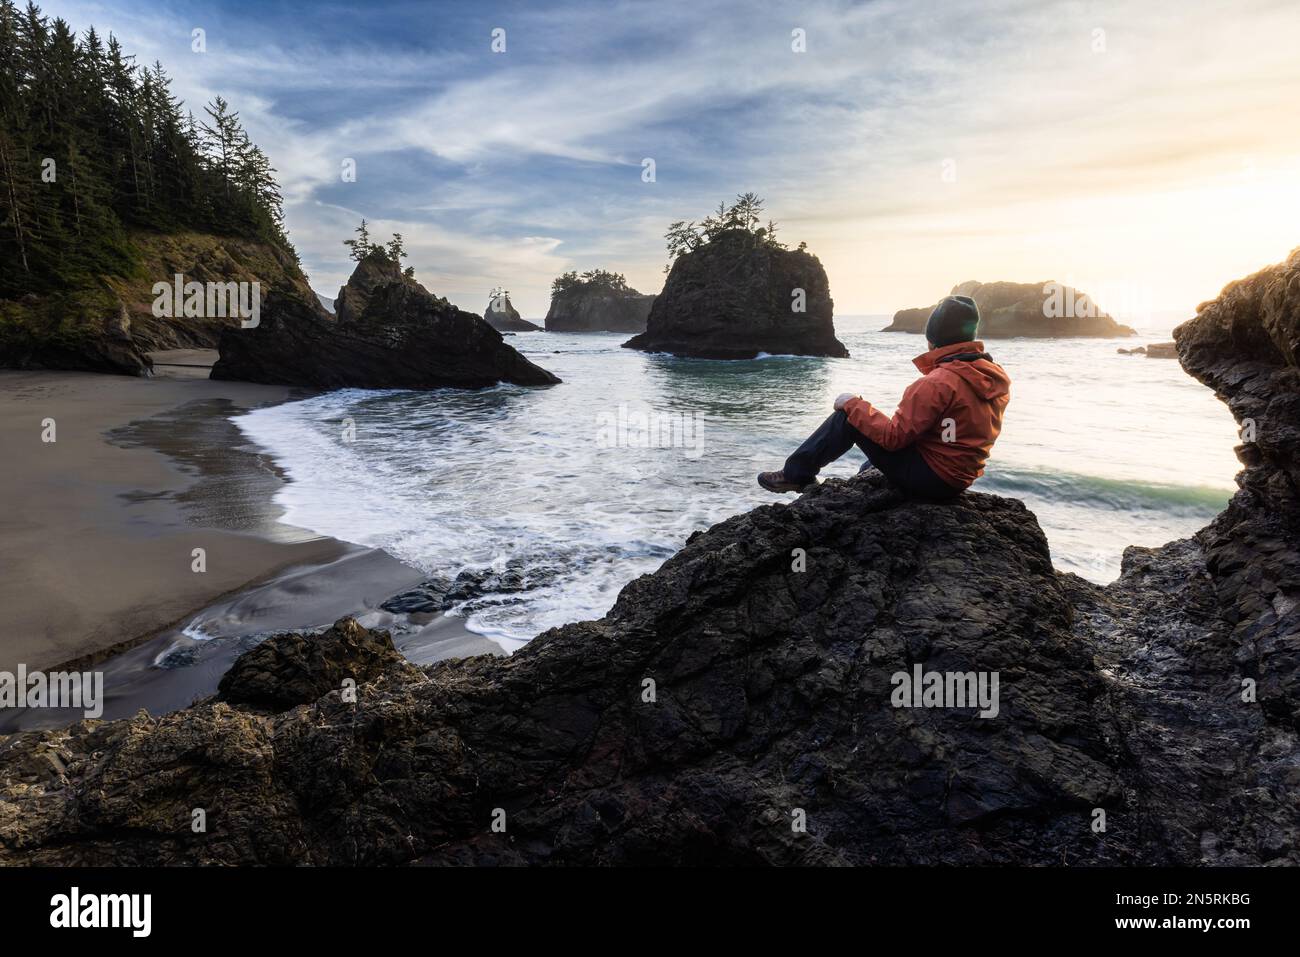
(440,593)
(736,296)
(390,333)
(372,273)
(294,669)
(732,694)
(594,307)
(205,259)
(1245,345)
(110,325)
(749,702)
(502,316)
(1156,350)
(93,336)
(769,695)
(1011,309)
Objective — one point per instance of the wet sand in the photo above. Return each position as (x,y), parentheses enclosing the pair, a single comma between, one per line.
(184,663)
(98,532)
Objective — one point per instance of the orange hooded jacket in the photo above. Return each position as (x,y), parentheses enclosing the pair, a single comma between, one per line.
(952,414)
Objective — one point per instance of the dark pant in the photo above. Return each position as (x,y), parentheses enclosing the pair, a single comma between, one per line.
(905,468)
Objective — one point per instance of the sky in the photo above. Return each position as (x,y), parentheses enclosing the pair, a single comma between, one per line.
(1146,152)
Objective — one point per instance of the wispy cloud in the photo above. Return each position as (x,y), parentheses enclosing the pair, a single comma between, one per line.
(912,145)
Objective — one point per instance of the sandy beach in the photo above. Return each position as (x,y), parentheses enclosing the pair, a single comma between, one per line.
(97,538)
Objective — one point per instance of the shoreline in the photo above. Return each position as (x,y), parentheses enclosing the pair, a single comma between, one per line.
(98,541)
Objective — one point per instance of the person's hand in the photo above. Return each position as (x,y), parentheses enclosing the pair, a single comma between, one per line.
(841,399)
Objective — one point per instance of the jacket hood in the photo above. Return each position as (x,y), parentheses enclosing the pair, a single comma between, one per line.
(988,379)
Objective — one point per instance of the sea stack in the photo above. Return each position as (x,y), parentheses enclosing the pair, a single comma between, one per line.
(1040,310)
(596,301)
(502,316)
(737,296)
(390,333)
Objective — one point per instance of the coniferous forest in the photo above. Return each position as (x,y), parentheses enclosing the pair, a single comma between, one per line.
(94,146)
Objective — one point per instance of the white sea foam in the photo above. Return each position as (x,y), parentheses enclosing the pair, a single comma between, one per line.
(1107,450)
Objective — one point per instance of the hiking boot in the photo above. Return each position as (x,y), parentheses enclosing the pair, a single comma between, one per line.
(776,482)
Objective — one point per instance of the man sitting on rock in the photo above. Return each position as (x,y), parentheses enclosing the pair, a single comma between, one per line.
(937,442)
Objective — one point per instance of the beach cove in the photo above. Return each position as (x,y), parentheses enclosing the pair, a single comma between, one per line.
(98,539)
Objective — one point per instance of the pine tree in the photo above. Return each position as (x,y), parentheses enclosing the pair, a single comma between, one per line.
(15,188)
(395,249)
(92,146)
(221,143)
(361,246)
(744,216)
(123,130)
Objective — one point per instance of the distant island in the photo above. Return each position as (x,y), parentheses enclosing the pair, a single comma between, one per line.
(596,301)
(1035,309)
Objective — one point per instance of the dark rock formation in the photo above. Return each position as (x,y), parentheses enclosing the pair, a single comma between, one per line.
(30,339)
(734,297)
(502,316)
(1010,309)
(428,597)
(772,693)
(910,320)
(1156,350)
(594,307)
(376,271)
(390,333)
(1245,345)
(772,696)
(293,669)
(751,683)
(472,588)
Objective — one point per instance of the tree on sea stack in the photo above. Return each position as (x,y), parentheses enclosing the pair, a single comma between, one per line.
(361,246)
(745,215)
(394,249)
(734,291)
(599,278)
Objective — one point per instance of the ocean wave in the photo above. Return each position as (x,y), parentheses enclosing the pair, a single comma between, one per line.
(1096,491)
